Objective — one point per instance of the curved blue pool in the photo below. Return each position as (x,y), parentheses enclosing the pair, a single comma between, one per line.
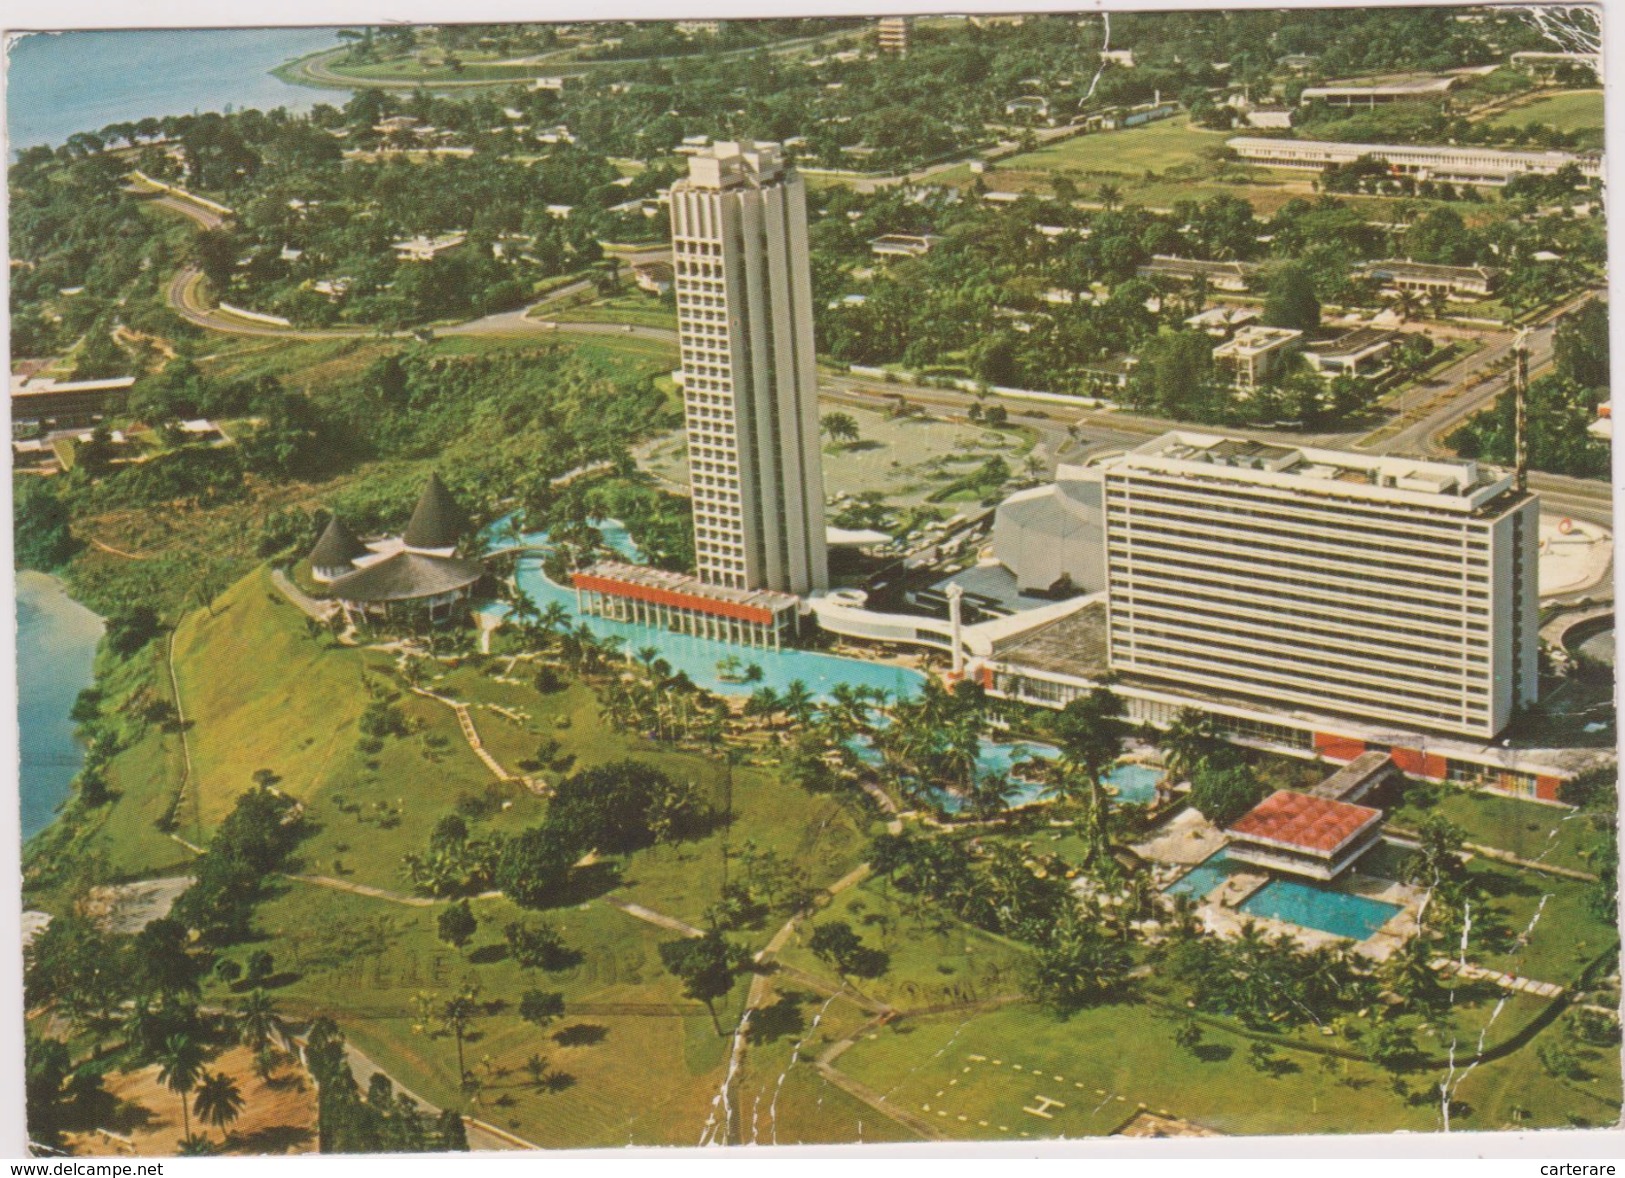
(698,658)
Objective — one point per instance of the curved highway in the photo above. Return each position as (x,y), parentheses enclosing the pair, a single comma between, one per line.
(1067,433)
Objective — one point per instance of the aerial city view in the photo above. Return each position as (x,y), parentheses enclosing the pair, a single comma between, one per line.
(832,580)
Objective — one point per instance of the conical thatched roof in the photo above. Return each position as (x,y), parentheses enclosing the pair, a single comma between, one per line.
(407,576)
(337,548)
(437,521)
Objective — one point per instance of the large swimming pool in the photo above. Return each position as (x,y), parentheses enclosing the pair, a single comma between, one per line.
(1305,905)
(1338,913)
(699,657)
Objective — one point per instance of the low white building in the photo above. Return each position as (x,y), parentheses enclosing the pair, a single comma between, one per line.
(426,249)
(1255,354)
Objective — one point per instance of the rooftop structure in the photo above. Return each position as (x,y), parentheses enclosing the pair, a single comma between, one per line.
(1269,118)
(1255,353)
(1462,281)
(903,245)
(677,601)
(336,552)
(1052,538)
(1460,164)
(427,249)
(415,571)
(1221,321)
(1303,834)
(437,523)
(654,277)
(1360,352)
(1371,94)
(750,382)
(1226,276)
(1380,587)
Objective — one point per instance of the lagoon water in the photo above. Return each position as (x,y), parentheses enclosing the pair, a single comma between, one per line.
(56,649)
(61,83)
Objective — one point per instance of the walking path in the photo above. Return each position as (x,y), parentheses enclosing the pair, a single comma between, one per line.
(465,721)
(344,885)
(650,916)
(186,782)
(481,1136)
(1507,981)
(321,611)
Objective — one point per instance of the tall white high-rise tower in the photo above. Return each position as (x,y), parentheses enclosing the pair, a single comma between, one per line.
(750,382)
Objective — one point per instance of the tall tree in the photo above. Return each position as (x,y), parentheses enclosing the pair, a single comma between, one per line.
(179,1068)
(219,1102)
(1291,300)
(707,967)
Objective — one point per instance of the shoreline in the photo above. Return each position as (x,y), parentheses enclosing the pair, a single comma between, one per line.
(57,640)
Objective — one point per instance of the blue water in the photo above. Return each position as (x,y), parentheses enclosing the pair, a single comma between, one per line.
(56,649)
(1135,784)
(1303,904)
(60,83)
(1338,913)
(1203,878)
(698,657)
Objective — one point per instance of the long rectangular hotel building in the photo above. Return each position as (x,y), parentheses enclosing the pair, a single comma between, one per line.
(1393,590)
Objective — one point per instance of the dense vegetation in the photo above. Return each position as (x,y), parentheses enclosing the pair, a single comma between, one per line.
(1561,405)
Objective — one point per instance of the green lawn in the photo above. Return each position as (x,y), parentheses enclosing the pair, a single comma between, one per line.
(1529,830)
(1154,147)
(1572,110)
(639,308)
(640,1066)
(931,958)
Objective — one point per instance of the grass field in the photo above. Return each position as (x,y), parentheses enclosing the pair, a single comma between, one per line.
(1572,110)
(1529,830)
(981,1078)
(639,308)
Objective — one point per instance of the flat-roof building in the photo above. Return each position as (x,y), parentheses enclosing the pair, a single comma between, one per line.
(1255,354)
(1374,94)
(1475,282)
(676,601)
(1227,276)
(1361,352)
(1461,164)
(1391,589)
(903,245)
(750,380)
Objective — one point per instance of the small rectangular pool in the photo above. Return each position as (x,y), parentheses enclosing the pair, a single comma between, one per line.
(1338,913)
(1323,909)
(1200,880)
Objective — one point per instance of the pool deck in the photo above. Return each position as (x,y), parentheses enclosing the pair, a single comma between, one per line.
(1220,915)
(1183,841)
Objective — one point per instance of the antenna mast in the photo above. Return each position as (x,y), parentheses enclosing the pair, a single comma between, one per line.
(1520,392)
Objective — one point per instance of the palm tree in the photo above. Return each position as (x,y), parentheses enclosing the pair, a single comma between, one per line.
(797,702)
(179,1067)
(218,1101)
(1190,740)
(764,703)
(258,1022)
(1110,196)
